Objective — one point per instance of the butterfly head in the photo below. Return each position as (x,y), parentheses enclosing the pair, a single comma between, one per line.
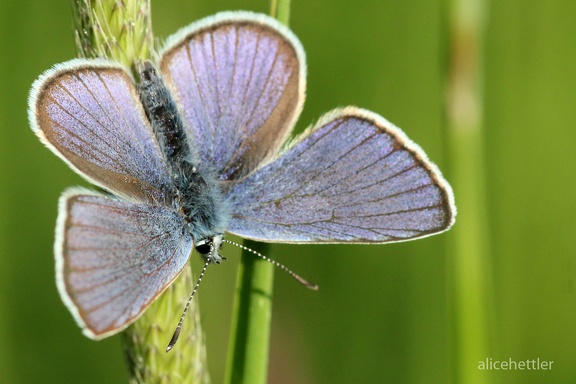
(209,249)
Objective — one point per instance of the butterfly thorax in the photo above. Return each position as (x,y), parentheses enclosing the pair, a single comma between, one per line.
(201,202)
(197,194)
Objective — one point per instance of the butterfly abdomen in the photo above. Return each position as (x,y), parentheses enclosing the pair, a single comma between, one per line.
(164,117)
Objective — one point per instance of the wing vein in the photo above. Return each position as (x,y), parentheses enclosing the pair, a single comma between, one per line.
(104,113)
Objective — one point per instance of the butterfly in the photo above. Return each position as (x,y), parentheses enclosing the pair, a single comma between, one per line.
(199,146)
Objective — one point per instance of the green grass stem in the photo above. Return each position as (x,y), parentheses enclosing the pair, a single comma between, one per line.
(470,248)
(251,318)
(121,31)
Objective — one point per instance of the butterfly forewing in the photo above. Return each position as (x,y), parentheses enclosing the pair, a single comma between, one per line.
(240,79)
(353,178)
(89,114)
(114,257)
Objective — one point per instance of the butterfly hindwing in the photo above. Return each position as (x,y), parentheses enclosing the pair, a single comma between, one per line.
(353,178)
(113,257)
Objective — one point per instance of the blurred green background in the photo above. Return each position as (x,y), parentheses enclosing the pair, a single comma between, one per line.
(383,313)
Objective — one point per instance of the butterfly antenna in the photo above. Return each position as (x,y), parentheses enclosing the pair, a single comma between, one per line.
(179,326)
(300,279)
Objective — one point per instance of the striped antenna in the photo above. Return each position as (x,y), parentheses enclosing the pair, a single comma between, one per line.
(298,278)
(179,326)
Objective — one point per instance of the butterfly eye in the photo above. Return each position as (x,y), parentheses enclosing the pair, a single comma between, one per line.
(204,246)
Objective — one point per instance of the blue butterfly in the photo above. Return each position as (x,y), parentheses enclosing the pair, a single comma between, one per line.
(199,147)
